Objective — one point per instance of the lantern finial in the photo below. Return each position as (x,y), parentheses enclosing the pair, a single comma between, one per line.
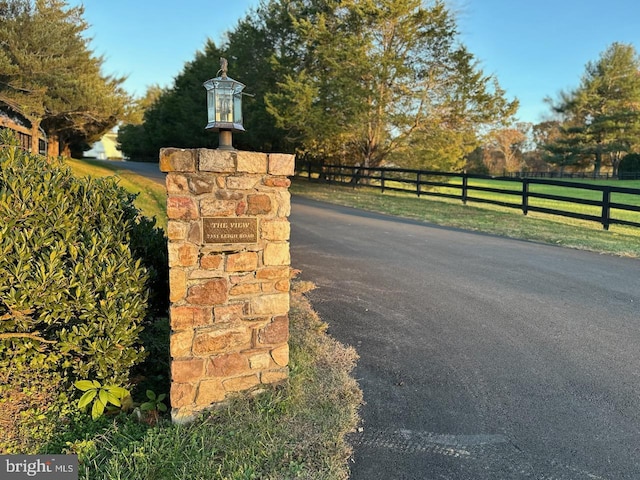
(224,65)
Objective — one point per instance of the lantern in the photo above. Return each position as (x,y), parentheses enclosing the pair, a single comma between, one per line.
(224,106)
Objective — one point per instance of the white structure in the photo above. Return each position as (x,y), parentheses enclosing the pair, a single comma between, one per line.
(106,148)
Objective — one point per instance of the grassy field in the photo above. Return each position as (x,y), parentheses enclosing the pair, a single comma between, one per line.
(510,192)
(508,222)
(564,191)
(152,197)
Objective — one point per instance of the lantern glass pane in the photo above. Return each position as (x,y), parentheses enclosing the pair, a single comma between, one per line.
(224,105)
(237,109)
(211,106)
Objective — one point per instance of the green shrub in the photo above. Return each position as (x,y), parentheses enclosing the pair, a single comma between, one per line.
(73,277)
(630,163)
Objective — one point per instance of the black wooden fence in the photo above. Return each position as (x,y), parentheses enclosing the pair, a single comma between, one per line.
(504,191)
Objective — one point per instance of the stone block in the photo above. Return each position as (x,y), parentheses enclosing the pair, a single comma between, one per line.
(212,262)
(252,162)
(182,394)
(180,343)
(276,182)
(241,383)
(182,208)
(229,365)
(242,182)
(216,342)
(229,195)
(177,284)
(280,355)
(210,391)
(177,184)
(177,160)
(272,304)
(245,289)
(241,208)
(201,184)
(213,292)
(259,204)
(260,361)
(187,370)
(276,254)
(275,332)
(195,233)
(183,255)
(242,262)
(284,203)
(283,286)
(188,317)
(242,278)
(210,207)
(275,230)
(177,231)
(273,273)
(229,313)
(200,274)
(282,164)
(220,161)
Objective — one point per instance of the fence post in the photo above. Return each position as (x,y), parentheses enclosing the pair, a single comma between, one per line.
(465,184)
(382,179)
(309,170)
(606,207)
(525,196)
(418,180)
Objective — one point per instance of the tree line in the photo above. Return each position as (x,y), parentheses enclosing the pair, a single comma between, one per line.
(360,82)
(595,125)
(357,81)
(364,82)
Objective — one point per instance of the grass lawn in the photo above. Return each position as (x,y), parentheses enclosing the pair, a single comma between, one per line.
(152,197)
(564,191)
(509,193)
(507,222)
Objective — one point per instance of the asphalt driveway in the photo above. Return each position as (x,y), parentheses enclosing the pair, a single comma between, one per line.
(481,357)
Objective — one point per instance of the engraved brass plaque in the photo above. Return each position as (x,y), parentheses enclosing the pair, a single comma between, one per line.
(229,230)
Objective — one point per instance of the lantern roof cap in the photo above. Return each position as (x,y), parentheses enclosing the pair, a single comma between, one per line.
(209,84)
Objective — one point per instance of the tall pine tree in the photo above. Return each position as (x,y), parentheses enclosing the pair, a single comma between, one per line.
(601,118)
(49,75)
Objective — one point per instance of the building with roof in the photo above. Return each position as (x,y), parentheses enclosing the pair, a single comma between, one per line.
(106,148)
(22,128)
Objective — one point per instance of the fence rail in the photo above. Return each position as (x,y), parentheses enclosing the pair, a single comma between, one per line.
(605,204)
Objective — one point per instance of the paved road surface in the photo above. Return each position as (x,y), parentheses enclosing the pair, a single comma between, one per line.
(481,357)
(146,169)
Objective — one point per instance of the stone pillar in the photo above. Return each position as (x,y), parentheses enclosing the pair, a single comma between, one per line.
(229,273)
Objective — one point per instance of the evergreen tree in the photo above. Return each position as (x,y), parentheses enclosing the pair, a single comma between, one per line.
(377,79)
(601,118)
(49,75)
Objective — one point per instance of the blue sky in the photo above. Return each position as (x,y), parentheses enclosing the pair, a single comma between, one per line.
(535,48)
